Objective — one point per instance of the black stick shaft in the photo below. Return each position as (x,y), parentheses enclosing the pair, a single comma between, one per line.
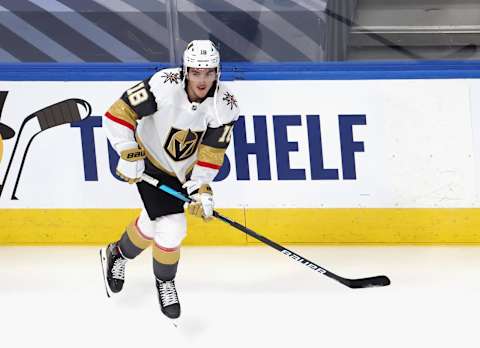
(275,245)
(351,283)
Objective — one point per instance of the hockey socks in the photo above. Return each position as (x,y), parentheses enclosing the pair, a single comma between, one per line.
(165,263)
(133,241)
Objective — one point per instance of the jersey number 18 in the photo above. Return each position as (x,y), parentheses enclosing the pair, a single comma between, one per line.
(137,94)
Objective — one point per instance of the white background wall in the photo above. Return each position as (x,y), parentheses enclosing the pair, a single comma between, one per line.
(419,142)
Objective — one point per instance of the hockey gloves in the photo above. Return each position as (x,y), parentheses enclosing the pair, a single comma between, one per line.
(130,165)
(202,195)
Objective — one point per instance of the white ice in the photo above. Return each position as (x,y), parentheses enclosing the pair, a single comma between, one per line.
(244,297)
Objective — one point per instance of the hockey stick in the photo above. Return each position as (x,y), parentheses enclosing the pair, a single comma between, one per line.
(351,283)
(61,113)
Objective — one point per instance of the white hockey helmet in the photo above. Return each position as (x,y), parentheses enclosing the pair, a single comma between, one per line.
(201,54)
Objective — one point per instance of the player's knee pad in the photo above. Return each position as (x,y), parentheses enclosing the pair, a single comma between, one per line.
(170,230)
(145,225)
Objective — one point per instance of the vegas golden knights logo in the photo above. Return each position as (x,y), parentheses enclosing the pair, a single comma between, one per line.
(181,143)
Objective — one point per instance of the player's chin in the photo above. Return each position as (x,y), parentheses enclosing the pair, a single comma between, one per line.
(202,92)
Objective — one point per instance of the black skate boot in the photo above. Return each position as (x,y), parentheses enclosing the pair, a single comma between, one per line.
(113,267)
(168,298)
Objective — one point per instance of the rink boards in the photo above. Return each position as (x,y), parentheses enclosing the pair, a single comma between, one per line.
(303,225)
(312,161)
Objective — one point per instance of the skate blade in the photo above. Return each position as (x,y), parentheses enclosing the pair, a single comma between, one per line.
(103,261)
(174,322)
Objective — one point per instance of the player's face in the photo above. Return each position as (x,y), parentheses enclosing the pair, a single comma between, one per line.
(200,80)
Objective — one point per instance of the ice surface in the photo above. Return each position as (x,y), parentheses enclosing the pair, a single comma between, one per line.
(244,297)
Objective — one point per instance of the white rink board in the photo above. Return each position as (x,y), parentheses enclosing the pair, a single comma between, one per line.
(418,146)
(475,112)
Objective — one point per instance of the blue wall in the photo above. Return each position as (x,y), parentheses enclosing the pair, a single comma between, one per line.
(246,71)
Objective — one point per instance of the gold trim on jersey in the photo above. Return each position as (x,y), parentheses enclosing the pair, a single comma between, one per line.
(210,154)
(166,257)
(152,159)
(182,143)
(136,236)
(188,172)
(123,111)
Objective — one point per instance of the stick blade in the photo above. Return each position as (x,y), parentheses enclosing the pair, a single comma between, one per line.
(370,282)
(64,112)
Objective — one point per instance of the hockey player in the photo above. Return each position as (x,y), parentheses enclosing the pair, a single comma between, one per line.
(174,126)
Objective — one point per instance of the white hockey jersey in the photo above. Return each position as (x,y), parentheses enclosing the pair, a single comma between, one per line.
(181,138)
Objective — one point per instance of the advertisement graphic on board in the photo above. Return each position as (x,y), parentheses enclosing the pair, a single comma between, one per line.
(335,144)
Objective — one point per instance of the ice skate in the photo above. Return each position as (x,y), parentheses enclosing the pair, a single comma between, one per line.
(168,298)
(113,268)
